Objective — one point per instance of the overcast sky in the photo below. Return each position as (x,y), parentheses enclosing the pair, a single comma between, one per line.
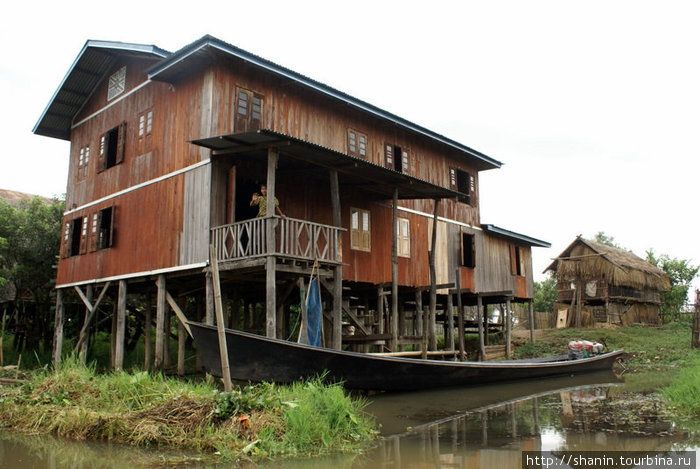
(593,107)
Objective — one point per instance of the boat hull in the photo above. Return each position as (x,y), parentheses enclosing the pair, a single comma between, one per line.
(256,358)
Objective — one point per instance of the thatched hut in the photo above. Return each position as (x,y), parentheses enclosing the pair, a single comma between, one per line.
(598,283)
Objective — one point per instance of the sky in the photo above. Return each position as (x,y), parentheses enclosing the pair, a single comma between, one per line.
(592,107)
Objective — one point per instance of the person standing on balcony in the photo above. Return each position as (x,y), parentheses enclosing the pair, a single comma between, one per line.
(261,201)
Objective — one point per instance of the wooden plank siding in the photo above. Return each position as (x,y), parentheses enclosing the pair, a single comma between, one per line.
(167,223)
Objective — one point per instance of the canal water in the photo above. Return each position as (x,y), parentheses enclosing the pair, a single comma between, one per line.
(467,427)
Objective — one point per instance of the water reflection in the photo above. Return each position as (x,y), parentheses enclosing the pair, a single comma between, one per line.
(485,426)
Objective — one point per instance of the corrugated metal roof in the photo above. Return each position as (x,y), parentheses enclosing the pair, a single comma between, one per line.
(181,61)
(94,60)
(354,172)
(516,236)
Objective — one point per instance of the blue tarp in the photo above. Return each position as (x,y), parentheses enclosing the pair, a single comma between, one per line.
(313,314)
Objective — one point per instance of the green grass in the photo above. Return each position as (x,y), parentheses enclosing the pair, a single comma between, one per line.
(254,422)
(683,393)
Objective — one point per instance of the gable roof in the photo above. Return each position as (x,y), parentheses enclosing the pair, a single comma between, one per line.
(96,59)
(90,67)
(618,266)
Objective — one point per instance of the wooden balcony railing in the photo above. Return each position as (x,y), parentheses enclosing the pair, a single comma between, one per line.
(293,238)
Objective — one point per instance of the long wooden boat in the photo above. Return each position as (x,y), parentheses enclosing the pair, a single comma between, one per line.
(256,358)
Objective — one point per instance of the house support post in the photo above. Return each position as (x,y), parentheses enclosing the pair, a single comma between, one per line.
(509,319)
(220,324)
(271,262)
(209,300)
(85,330)
(147,346)
(479,317)
(394,274)
(120,327)
(161,306)
(418,320)
(433,278)
(58,328)
(337,314)
(450,329)
(531,319)
(82,350)
(460,315)
(380,310)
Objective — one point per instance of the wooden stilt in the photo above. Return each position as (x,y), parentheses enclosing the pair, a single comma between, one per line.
(167,362)
(433,277)
(337,341)
(58,328)
(121,327)
(419,312)
(181,338)
(394,274)
(380,309)
(450,329)
(83,349)
(147,345)
(161,310)
(509,322)
(480,320)
(460,315)
(84,332)
(223,349)
(113,336)
(270,267)
(531,319)
(209,315)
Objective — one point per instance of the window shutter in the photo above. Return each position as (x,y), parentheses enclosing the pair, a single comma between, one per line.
(366,243)
(256,112)
(404,161)
(242,111)
(453,179)
(121,143)
(102,152)
(112,226)
(388,156)
(84,234)
(65,239)
(94,232)
(513,260)
(352,142)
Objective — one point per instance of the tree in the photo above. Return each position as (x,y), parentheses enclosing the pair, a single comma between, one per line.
(546,294)
(602,238)
(682,273)
(29,243)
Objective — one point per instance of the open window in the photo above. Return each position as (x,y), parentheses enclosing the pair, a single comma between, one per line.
(112,147)
(396,158)
(517,266)
(102,231)
(75,237)
(248,110)
(360,234)
(468,248)
(464,182)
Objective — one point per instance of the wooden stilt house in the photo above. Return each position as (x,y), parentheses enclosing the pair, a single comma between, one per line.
(167,150)
(598,283)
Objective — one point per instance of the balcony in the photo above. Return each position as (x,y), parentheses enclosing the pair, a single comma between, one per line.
(296,239)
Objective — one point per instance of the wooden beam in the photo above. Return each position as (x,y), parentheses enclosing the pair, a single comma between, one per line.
(160,322)
(271,261)
(433,276)
(479,318)
(460,314)
(508,319)
(394,273)
(223,348)
(181,348)
(337,333)
(148,329)
(450,329)
(82,338)
(58,328)
(178,312)
(83,348)
(531,319)
(121,327)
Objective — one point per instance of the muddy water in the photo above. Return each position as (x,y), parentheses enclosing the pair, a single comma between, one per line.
(486,426)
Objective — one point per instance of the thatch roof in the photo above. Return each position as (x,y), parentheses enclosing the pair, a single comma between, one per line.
(587,260)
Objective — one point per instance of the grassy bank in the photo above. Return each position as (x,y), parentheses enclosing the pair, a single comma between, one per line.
(253,422)
(658,359)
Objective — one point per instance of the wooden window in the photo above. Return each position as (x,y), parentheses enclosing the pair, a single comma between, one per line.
(117,84)
(360,234)
(396,158)
(464,182)
(145,123)
(357,144)
(403,237)
(248,110)
(83,160)
(517,266)
(468,250)
(75,237)
(112,145)
(102,231)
